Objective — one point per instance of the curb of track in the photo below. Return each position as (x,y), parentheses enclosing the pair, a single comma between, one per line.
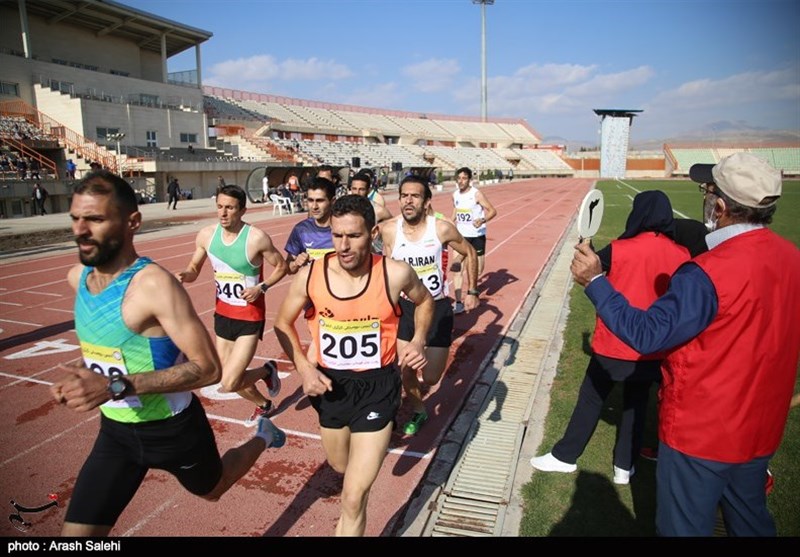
(539,323)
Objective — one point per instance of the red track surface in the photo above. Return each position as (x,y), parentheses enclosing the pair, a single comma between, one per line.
(290,491)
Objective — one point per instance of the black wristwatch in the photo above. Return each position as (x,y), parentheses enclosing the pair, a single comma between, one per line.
(264,287)
(119,387)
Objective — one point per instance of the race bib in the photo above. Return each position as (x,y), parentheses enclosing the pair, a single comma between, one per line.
(230,287)
(350,344)
(108,361)
(463,215)
(429,275)
(317,253)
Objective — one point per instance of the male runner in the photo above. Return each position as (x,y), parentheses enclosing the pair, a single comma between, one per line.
(350,300)
(360,185)
(144,350)
(238,251)
(311,238)
(471,213)
(421,241)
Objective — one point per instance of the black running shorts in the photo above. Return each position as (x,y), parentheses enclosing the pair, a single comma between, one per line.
(441,332)
(364,401)
(479,243)
(183,445)
(231,329)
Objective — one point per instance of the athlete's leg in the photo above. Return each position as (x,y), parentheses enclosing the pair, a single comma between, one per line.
(336,444)
(367,451)
(411,384)
(236,462)
(457,269)
(437,361)
(236,378)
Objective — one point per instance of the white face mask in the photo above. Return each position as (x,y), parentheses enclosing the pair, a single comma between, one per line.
(709,216)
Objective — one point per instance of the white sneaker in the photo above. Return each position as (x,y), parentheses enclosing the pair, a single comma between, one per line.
(549,463)
(623,477)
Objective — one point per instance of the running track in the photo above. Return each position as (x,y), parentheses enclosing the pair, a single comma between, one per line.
(290,491)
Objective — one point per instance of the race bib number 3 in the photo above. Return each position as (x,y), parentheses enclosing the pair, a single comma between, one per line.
(230,287)
(108,361)
(350,344)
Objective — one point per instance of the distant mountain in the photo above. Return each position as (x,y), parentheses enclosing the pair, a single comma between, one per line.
(719,133)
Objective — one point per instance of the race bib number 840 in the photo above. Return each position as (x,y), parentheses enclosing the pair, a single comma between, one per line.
(350,344)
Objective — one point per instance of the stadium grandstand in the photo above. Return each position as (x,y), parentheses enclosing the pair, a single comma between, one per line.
(108,100)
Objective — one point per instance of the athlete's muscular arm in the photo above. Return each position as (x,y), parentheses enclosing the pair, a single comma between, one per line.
(489,212)
(155,305)
(381,213)
(267,253)
(314,382)
(189,274)
(449,235)
(387,230)
(403,278)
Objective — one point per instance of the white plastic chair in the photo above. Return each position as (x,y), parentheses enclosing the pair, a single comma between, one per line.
(280,204)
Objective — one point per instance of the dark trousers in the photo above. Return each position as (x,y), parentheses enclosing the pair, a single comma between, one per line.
(173,200)
(601,375)
(689,491)
(38,205)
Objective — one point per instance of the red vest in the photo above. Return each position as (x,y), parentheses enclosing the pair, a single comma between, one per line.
(640,269)
(357,333)
(725,394)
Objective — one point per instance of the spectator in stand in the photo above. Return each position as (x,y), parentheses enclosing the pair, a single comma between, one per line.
(220,184)
(71,168)
(22,168)
(36,167)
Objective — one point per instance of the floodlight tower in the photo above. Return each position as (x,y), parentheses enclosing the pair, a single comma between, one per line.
(118,136)
(483,4)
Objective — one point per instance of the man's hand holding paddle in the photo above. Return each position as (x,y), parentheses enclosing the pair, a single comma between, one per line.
(585,263)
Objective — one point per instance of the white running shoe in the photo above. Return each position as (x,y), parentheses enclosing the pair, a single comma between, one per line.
(549,463)
(623,477)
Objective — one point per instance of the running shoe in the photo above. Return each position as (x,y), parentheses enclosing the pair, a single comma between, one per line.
(549,463)
(412,427)
(272,379)
(459,308)
(260,411)
(770,485)
(622,476)
(278,436)
(649,453)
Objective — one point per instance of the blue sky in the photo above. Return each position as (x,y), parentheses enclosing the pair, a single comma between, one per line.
(688,64)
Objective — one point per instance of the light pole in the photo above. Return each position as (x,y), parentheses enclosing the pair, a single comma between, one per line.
(117,137)
(483,4)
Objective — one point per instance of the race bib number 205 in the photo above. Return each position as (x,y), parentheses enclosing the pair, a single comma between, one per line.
(350,344)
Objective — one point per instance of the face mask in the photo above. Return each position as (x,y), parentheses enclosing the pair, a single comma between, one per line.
(709,218)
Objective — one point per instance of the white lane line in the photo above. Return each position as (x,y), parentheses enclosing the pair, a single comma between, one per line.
(44,293)
(143,522)
(59,309)
(21,378)
(21,323)
(10,303)
(639,191)
(48,440)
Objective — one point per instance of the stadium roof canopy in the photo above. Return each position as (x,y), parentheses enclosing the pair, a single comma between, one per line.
(104,17)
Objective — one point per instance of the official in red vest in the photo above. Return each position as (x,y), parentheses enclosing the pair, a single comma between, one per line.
(729,319)
(638,264)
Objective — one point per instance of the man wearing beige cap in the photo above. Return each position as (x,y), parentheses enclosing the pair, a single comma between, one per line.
(729,322)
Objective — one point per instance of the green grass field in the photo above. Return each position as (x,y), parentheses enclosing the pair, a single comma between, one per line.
(588,503)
